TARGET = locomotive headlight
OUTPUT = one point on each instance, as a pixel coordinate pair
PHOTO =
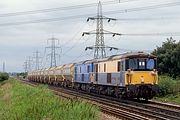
(129, 75)
(142, 79)
(154, 72)
(130, 72)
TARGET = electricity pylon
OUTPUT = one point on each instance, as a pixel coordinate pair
(37, 59)
(29, 62)
(99, 47)
(4, 69)
(25, 66)
(53, 53)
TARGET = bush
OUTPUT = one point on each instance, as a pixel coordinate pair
(4, 76)
(22, 74)
(168, 85)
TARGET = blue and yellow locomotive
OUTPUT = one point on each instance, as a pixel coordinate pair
(131, 75)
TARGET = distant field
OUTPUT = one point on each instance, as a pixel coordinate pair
(22, 102)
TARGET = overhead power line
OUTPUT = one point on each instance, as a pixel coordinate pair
(171, 4)
(147, 19)
(42, 20)
(90, 5)
(85, 15)
(62, 8)
(151, 34)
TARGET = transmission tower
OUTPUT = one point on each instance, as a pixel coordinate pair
(53, 53)
(4, 67)
(29, 64)
(25, 66)
(37, 59)
(99, 47)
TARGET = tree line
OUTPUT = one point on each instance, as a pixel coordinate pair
(168, 56)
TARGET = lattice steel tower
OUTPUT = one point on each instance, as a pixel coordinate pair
(53, 53)
(25, 66)
(99, 47)
(4, 70)
(29, 64)
(37, 58)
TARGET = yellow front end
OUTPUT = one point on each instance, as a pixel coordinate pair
(141, 77)
(141, 84)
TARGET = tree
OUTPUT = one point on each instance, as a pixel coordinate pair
(168, 56)
(4, 76)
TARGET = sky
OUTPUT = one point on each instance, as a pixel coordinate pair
(18, 42)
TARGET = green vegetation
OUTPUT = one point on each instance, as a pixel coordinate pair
(168, 85)
(19, 101)
(4, 76)
(22, 74)
(175, 99)
(169, 89)
(169, 58)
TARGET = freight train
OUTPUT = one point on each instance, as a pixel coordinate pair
(129, 75)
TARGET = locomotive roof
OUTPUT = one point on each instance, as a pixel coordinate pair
(121, 56)
(138, 54)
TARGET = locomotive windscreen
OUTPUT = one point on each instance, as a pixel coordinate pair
(141, 64)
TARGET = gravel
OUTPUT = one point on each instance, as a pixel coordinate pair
(108, 117)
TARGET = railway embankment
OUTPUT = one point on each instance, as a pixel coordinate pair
(19, 101)
(123, 109)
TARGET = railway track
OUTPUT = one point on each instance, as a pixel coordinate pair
(165, 105)
(123, 109)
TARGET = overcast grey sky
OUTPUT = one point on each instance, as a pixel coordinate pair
(17, 42)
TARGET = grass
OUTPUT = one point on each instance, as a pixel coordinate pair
(19, 101)
(169, 89)
(175, 99)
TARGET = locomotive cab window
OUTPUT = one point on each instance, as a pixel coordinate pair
(141, 64)
(151, 64)
(118, 66)
(133, 63)
(104, 67)
(88, 69)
